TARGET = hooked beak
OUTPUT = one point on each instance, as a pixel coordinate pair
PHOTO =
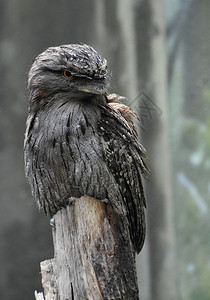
(98, 87)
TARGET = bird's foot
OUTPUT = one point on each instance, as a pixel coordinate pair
(52, 222)
(71, 200)
(105, 201)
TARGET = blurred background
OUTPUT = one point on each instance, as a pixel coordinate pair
(158, 53)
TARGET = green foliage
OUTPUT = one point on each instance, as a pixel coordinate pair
(192, 203)
(191, 159)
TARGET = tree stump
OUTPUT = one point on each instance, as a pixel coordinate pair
(93, 255)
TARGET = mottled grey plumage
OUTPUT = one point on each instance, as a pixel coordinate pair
(79, 140)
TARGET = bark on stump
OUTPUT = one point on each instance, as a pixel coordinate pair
(93, 255)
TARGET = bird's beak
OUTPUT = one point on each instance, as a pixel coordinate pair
(94, 87)
(92, 90)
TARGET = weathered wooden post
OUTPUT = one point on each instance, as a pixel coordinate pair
(93, 255)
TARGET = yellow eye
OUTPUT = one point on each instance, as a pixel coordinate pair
(67, 74)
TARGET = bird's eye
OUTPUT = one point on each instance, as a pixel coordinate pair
(67, 74)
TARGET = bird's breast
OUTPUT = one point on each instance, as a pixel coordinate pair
(70, 151)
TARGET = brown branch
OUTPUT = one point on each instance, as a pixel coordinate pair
(94, 257)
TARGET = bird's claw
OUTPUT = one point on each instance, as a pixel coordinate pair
(71, 200)
(105, 201)
(52, 222)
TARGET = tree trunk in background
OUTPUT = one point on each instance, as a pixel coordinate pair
(153, 80)
(128, 81)
(133, 36)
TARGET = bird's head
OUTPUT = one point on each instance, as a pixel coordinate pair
(76, 71)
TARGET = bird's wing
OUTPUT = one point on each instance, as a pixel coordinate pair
(125, 159)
